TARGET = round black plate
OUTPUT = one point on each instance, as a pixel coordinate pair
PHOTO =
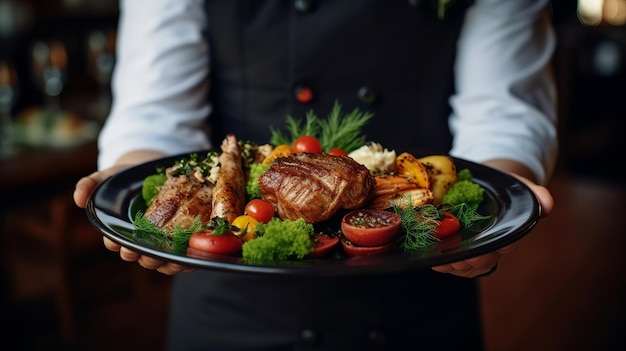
(513, 208)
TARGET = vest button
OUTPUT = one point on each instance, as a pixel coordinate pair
(303, 5)
(303, 94)
(367, 95)
(308, 336)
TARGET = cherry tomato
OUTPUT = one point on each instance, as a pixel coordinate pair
(337, 152)
(307, 143)
(260, 210)
(370, 227)
(246, 224)
(323, 244)
(357, 251)
(449, 225)
(207, 242)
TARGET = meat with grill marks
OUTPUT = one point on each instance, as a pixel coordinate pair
(315, 186)
(180, 200)
(229, 194)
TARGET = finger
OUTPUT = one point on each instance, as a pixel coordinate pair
(171, 268)
(150, 262)
(111, 245)
(507, 249)
(129, 255)
(84, 187)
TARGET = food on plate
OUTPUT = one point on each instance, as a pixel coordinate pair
(352, 250)
(370, 227)
(393, 189)
(229, 194)
(315, 186)
(307, 143)
(280, 240)
(186, 194)
(314, 193)
(465, 191)
(260, 210)
(377, 159)
(442, 174)
(323, 245)
(218, 239)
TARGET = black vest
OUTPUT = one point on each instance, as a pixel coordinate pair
(261, 51)
(390, 57)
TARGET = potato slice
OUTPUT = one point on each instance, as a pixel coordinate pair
(414, 170)
(442, 172)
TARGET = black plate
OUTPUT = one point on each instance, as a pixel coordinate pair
(513, 208)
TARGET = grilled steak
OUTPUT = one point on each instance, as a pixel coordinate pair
(315, 186)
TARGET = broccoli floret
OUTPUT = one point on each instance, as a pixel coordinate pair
(252, 186)
(280, 240)
(464, 174)
(465, 190)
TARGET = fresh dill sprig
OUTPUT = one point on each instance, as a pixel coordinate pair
(416, 225)
(176, 241)
(294, 129)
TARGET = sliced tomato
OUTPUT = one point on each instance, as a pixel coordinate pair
(448, 225)
(220, 244)
(260, 210)
(323, 244)
(307, 143)
(357, 251)
(337, 152)
(370, 227)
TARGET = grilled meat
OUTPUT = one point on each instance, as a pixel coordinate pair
(315, 186)
(229, 194)
(179, 201)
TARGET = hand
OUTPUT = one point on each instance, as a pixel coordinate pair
(486, 263)
(84, 187)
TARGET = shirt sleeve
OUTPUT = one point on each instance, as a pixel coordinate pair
(159, 85)
(505, 103)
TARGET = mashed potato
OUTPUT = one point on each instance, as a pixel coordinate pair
(375, 158)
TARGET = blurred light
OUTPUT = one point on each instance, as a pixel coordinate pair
(590, 11)
(594, 12)
(615, 12)
(607, 59)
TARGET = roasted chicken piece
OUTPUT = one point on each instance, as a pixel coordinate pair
(315, 186)
(180, 200)
(229, 194)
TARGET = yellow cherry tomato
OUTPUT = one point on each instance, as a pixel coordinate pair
(246, 225)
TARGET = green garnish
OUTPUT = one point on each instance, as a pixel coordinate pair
(416, 225)
(338, 130)
(280, 240)
(150, 186)
(176, 241)
(200, 168)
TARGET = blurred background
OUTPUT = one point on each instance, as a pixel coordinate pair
(563, 289)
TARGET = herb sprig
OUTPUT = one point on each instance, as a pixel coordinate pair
(338, 130)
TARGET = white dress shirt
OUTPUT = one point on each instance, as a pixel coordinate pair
(504, 106)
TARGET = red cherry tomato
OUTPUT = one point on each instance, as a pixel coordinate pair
(357, 251)
(307, 143)
(370, 227)
(260, 210)
(323, 244)
(449, 225)
(337, 152)
(207, 242)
